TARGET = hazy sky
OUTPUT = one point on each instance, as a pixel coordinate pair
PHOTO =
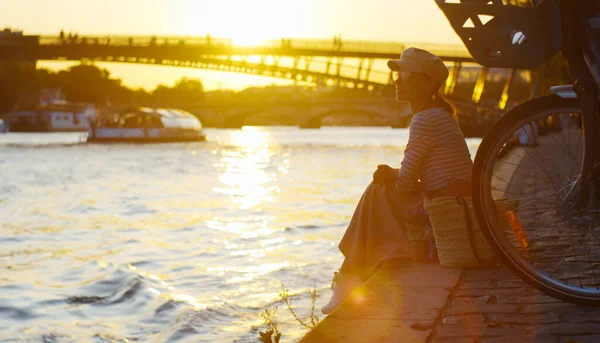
(245, 21)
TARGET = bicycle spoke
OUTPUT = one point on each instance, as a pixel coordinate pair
(530, 173)
(532, 198)
(517, 165)
(560, 261)
(598, 239)
(544, 168)
(520, 207)
(505, 191)
(589, 256)
(501, 179)
(568, 150)
(573, 245)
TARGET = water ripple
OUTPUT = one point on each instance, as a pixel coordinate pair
(175, 242)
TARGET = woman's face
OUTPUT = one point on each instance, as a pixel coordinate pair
(412, 87)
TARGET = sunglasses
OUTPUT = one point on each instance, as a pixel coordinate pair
(401, 75)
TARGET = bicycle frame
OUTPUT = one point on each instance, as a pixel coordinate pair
(583, 57)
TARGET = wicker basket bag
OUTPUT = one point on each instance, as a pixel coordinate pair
(459, 240)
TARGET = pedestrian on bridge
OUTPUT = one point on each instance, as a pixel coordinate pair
(337, 42)
(436, 163)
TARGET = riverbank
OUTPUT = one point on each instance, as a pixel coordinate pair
(410, 302)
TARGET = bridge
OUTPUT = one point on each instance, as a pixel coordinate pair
(349, 64)
(313, 113)
(305, 114)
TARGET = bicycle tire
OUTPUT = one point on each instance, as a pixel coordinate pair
(483, 172)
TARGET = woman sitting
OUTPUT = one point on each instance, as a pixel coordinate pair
(436, 163)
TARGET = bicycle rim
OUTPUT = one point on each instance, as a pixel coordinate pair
(525, 169)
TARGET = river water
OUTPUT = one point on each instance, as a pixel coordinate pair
(176, 242)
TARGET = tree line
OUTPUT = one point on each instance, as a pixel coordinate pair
(19, 87)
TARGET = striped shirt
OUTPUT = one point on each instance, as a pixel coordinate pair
(436, 153)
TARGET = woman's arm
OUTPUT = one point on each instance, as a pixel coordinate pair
(420, 143)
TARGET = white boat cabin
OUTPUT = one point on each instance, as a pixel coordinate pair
(145, 124)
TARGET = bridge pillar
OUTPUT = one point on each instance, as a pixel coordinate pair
(18, 84)
(340, 60)
(452, 78)
(360, 66)
(307, 116)
(222, 118)
(506, 90)
(479, 85)
(207, 116)
(369, 67)
(17, 70)
(310, 123)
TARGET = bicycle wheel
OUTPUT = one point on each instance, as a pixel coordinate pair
(526, 167)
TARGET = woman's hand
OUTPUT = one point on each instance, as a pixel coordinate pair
(385, 174)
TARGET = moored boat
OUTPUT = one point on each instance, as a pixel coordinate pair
(146, 125)
(56, 117)
(3, 127)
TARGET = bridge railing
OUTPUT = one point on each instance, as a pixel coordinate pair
(340, 45)
(284, 43)
(371, 46)
(136, 40)
(449, 50)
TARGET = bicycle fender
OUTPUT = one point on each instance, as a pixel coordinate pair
(564, 91)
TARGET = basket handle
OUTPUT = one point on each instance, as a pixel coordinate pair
(461, 201)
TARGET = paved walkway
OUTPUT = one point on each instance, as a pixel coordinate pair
(411, 302)
(493, 305)
(400, 303)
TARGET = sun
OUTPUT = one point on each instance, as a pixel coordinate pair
(247, 23)
(252, 31)
(247, 39)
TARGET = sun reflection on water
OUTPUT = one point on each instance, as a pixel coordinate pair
(247, 172)
(245, 167)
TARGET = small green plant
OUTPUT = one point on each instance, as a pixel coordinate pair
(272, 335)
(313, 320)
